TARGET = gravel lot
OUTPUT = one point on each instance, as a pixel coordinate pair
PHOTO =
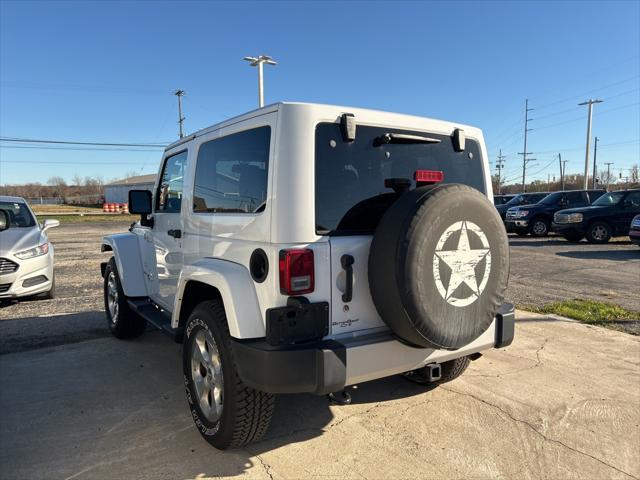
(562, 402)
(552, 269)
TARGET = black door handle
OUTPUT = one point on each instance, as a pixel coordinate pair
(175, 233)
(347, 265)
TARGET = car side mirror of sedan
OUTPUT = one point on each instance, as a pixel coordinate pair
(50, 223)
(627, 204)
(4, 220)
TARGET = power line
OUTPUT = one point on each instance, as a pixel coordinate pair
(113, 149)
(69, 142)
(587, 92)
(64, 162)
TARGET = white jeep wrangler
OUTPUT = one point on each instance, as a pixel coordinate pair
(305, 248)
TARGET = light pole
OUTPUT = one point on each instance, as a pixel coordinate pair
(180, 93)
(258, 62)
(589, 102)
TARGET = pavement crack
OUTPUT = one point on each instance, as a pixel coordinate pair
(538, 432)
(265, 466)
(344, 419)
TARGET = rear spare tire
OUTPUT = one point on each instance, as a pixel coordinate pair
(439, 265)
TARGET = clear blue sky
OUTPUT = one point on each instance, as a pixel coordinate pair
(104, 72)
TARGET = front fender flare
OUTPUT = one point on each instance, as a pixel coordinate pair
(236, 288)
(126, 252)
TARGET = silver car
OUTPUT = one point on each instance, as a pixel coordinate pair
(26, 255)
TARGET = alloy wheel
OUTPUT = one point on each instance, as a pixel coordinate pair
(112, 297)
(206, 372)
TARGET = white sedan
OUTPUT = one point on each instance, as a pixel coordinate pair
(26, 255)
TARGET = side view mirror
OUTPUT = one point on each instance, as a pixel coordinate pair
(50, 223)
(140, 202)
(627, 204)
(4, 220)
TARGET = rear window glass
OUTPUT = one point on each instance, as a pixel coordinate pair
(19, 214)
(350, 193)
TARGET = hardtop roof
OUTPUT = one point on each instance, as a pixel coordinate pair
(274, 107)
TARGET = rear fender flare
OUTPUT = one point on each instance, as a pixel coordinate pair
(127, 255)
(236, 288)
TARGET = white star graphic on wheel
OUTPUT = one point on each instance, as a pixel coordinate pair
(462, 262)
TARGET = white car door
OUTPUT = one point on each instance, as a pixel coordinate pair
(167, 227)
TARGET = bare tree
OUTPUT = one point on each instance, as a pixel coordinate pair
(56, 182)
(77, 180)
(634, 175)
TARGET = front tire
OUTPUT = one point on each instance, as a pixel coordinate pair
(539, 227)
(598, 233)
(227, 413)
(123, 322)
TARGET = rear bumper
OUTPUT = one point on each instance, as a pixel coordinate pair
(330, 365)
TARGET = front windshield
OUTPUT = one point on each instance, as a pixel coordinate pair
(517, 200)
(19, 214)
(551, 199)
(612, 198)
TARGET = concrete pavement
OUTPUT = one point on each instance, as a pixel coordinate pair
(562, 402)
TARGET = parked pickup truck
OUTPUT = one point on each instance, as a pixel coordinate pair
(634, 230)
(536, 219)
(609, 216)
(305, 248)
(520, 199)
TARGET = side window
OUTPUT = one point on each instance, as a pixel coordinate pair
(169, 198)
(594, 195)
(634, 198)
(575, 198)
(231, 173)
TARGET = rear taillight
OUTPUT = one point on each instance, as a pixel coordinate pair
(296, 271)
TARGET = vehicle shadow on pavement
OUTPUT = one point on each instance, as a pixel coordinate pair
(536, 242)
(31, 333)
(106, 408)
(615, 255)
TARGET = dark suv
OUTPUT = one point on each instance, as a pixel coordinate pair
(610, 215)
(520, 199)
(536, 219)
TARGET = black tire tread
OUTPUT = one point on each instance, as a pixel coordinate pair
(254, 409)
(590, 239)
(129, 324)
(453, 369)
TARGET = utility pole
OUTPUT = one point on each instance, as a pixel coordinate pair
(500, 166)
(595, 156)
(258, 62)
(608, 164)
(589, 102)
(524, 153)
(562, 169)
(180, 94)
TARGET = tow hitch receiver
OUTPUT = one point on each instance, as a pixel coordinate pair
(425, 375)
(433, 372)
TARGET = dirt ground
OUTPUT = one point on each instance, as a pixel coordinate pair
(562, 402)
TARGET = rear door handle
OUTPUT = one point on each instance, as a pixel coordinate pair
(347, 265)
(177, 233)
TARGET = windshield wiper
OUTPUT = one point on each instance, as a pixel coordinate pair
(401, 138)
